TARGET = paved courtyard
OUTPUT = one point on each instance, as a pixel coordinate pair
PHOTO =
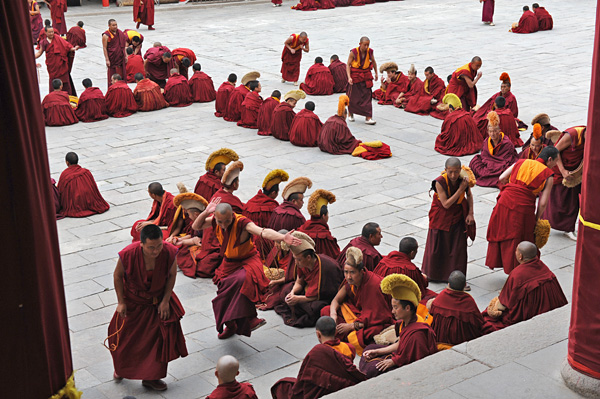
(549, 71)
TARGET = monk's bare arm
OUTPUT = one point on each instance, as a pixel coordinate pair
(104, 48)
(265, 233)
(203, 221)
(288, 43)
(544, 197)
(39, 53)
(471, 83)
(36, 10)
(563, 144)
(118, 276)
(163, 307)
(374, 66)
(448, 202)
(505, 176)
(349, 65)
(470, 217)
(337, 301)
(374, 353)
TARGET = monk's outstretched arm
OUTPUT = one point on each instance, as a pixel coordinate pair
(272, 235)
(544, 198)
(448, 202)
(163, 307)
(118, 276)
(337, 301)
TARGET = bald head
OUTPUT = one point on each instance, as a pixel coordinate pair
(457, 281)
(408, 245)
(326, 326)
(452, 163)
(174, 71)
(303, 34)
(227, 369)
(527, 250)
(223, 209)
(364, 39)
(476, 59)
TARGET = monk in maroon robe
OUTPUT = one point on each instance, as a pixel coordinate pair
(35, 17)
(57, 108)
(114, 42)
(92, 105)
(251, 106)
(318, 81)
(336, 138)
(278, 258)
(59, 59)
(236, 98)
(316, 227)
(79, 195)
(370, 238)
(76, 35)
(531, 289)
(544, 18)
(283, 115)
(487, 12)
(148, 96)
(490, 104)
(210, 182)
(265, 113)
(544, 121)
(135, 65)
(202, 86)
(162, 213)
(58, 8)
(292, 55)
(415, 86)
(223, 94)
(145, 332)
(182, 59)
(306, 5)
(287, 216)
(459, 135)
(463, 83)
(306, 127)
(229, 388)
(432, 93)
(395, 84)
(508, 125)
(135, 41)
(56, 195)
(338, 73)
(177, 90)
(156, 64)
(143, 13)
(528, 23)
(119, 98)
(360, 80)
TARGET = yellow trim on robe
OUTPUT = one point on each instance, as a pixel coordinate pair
(528, 174)
(591, 225)
(356, 62)
(490, 146)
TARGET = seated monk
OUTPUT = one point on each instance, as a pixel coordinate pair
(544, 18)
(306, 127)
(327, 368)
(284, 114)
(230, 182)
(415, 86)
(251, 106)
(162, 212)
(359, 308)
(531, 289)
(369, 238)
(287, 216)
(57, 108)
(508, 125)
(318, 81)
(535, 144)
(306, 5)
(338, 73)
(119, 98)
(431, 93)
(92, 105)
(135, 65)
(76, 35)
(222, 97)
(237, 96)
(316, 228)
(177, 90)
(227, 369)
(459, 135)
(336, 138)
(240, 278)
(528, 23)
(391, 86)
(280, 257)
(202, 86)
(544, 121)
(497, 154)
(148, 94)
(416, 340)
(79, 195)
(265, 113)
(510, 102)
(210, 182)
(463, 83)
(317, 280)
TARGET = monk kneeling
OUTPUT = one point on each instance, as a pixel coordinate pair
(228, 368)
(57, 108)
(148, 94)
(162, 212)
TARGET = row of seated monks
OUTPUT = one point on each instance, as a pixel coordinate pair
(533, 21)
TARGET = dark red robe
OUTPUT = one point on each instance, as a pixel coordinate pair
(371, 256)
(458, 86)
(399, 263)
(306, 5)
(359, 92)
(459, 135)
(490, 105)
(488, 167)
(281, 121)
(508, 126)
(115, 47)
(339, 75)
(79, 194)
(305, 130)
(177, 91)
(234, 104)
(326, 4)
(57, 14)
(91, 106)
(207, 185)
(178, 55)
(249, 111)
(318, 81)
(259, 209)
(76, 36)
(59, 60)
(325, 243)
(233, 390)
(544, 18)
(290, 63)
(143, 13)
(58, 110)
(421, 102)
(119, 100)
(388, 96)
(277, 259)
(414, 88)
(156, 69)
(528, 23)
(162, 213)
(527, 153)
(148, 96)
(336, 138)
(131, 33)
(222, 98)
(37, 23)
(265, 116)
(286, 216)
(202, 87)
(135, 64)
(231, 199)
(188, 255)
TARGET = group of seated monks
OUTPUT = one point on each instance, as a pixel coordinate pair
(533, 21)
(313, 5)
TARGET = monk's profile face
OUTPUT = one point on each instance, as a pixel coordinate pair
(494, 132)
(399, 312)
(224, 219)
(536, 145)
(113, 26)
(364, 45)
(292, 102)
(504, 88)
(299, 202)
(192, 214)
(476, 65)
(375, 239)
(453, 173)
(152, 248)
(303, 262)
(166, 60)
(353, 275)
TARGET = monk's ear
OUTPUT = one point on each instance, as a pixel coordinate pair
(238, 373)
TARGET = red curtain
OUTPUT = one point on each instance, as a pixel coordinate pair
(34, 334)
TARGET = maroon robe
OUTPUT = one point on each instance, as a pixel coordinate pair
(371, 256)
(177, 91)
(281, 121)
(76, 36)
(527, 153)
(231, 199)
(115, 47)
(156, 69)
(336, 138)
(414, 88)
(143, 13)
(359, 92)
(531, 289)
(37, 23)
(326, 4)
(388, 96)
(339, 75)
(528, 23)
(399, 263)
(488, 167)
(487, 12)
(163, 214)
(148, 96)
(222, 98)
(79, 195)
(59, 60)
(276, 259)
(508, 126)
(202, 87)
(135, 64)
(544, 18)
(137, 50)
(233, 390)
(178, 55)
(259, 209)
(290, 63)
(234, 104)
(119, 100)
(490, 105)
(421, 102)
(58, 110)
(265, 116)
(249, 111)
(91, 106)
(305, 130)
(57, 14)
(188, 255)
(458, 86)
(207, 185)
(318, 81)
(325, 243)
(306, 5)
(459, 135)
(286, 216)
(145, 342)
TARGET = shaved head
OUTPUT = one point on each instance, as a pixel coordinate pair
(528, 250)
(174, 71)
(227, 368)
(452, 163)
(364, 39)
(457, 280)
(303, 34)
(476, 59)
(223, 209)
(408, 245)
(326, 326)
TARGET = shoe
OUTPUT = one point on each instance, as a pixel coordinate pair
(351, 118)
(295, 83)
(492, 24)
(467, 288)
(370, 122)
(570, 235)
(157, 385)
(137, 26)
(228, 332)
(116, 376)
(151, 28)
(257, 323)
(282, 80)
(275, 5)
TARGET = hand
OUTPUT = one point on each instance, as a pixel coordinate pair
(272, 283)
(565, 173)
(479, 75)
(210, 209)
(171, 240)
(398, 99)
(349, 81)
(107, 63)
(141, 225)
(385, 365)
(383, 79)
(289, 239)
(293, 300)
(470, 219)
(371, 354)
(292, 51)
(122, 310)
(196, 240)
(376, 75)
(344, 328)
(38, 65)
(163, 310)
(464, 184)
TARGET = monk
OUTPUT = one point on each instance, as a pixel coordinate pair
(229, 388)
(35, 17)
(114, 42)
(177, 90)
(42, 35)
(162, 212)
(459, 135)
(531, 289)
(497, 154)
(134, 40)
(265, 113)
(148, 95)
(535, 144)
(338, 73)
(210, 182)
(316, 227)
(306, 127)
(336, 138)
(57, 108)
(145, 332)
(528, 23)
(515, 215)
(490, 104)
(183, 58)
(360, 80)
(56, 195)
(508, 125)
(563, 205)
(280, 257)
(433, 92)
(251, 105)
(359, 308)
(283, 114)
(415, 85)
(318, 81)
(544, 121)
(237, 96)
(135, 65)
(58, 8)
(317, 280)
(327, 368)
(287, 216)
(79, 195)
(143, 13)
(59, 59)
(240, 279)
(369, 238)
(544, 18)
(223, 95)
(156, 64)
(463, 83)
(391, 86)
(449, 217)
(76, 35)
(202, 86)
(119, 98)
(415, 340)
(487, 12)
(306, 5)
(92, 105)
(230, 182)
(292, 55)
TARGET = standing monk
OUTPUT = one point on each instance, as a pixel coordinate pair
(487, 14)
(463, 83)
(76, 35)
(143, 13)
(58, 8)
(59, 59)
(338, 72)
(79, 194)
(162, 212)
(156, 64)
(210, 182)
(114, 42)
(291, 57)
(182, 59)
(35, 17)
(134, 41)
(360, 80)
(544, 18)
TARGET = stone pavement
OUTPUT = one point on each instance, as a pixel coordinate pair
(550, 73)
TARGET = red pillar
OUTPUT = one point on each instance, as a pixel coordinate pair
(34, 334)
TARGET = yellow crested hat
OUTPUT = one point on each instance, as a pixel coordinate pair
(249, 77)
(343, 102)
(232, 172)
(295, 94)
(401, 288)
(274, 177)
(224, 155)
(190, 200)
(298, 185)
(452, 99)
(317, 200)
